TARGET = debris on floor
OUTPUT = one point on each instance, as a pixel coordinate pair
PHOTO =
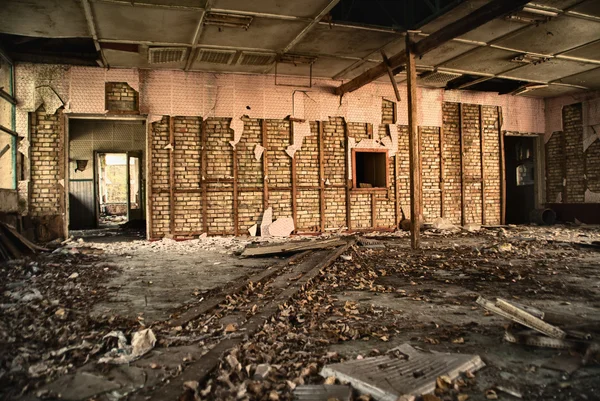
(404, 371)
(291, 247)
(323, 392)
(15, 246)
(141, 343)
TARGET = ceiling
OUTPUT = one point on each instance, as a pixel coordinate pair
(550, 48)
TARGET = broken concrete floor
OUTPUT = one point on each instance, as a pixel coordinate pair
(365, 306)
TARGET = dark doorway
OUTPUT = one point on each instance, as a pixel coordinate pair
(519, 156)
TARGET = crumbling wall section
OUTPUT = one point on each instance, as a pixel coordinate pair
(430, 169)
(592, 167)
(121, 97)
(46, 204)
(472, 179)
(555, 167)
(159, 178)
(575, 170)
(452, 166)
(491, 163)
(307, 182)
(335, 178)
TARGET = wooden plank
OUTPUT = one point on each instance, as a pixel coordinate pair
(293, 181)
(265, 164)
(502, 169)
(413, 145)
(390, 74)
(288, 247)
(482, 161)
(203, 183)
(171, 175)
(373, 210)
(149, 180)
(236, 223)
(479, 17)
(442, 166)
(321, 177)
(9, 131)
(397, 189)
(347, 173)
(463, 206)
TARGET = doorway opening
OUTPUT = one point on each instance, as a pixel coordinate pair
(119, 184)
(520, 161)
(106, 174)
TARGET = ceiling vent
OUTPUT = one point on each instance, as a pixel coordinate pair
(250, 58)
(228, 20)
(163, 55)
(214, 56)
(436, 79)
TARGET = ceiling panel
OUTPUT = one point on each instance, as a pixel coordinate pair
(590, 51)
(445, 52)
(492, 30)
(590, 8)
(142, 23)
(343, 41)
(118, 58)
(458, 12)
(553, 91)
(264, 33)
(549, 70)
(327, 67)
(47, 18)
(296, 8)
(589, 79)
(558, 35)
(486, 60)
(359, 70)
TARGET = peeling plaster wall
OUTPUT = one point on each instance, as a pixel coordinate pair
(232, 106)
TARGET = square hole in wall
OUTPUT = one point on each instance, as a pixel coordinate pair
(370, 168)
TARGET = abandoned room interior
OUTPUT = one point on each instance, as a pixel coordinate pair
(313, 200)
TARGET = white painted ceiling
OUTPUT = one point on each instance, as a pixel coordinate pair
(569, 39)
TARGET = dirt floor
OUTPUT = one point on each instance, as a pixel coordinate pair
(56, 311)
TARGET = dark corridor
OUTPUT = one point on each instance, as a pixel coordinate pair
(520, 181)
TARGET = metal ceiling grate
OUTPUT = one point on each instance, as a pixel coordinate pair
(216, 56)
(249, 58)
(162, 55)
(436, 79)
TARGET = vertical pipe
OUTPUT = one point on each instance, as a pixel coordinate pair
(415, 158)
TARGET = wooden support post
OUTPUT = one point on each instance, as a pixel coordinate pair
(374, 210)
(415, 157)
(203, 183)
(482, 162)
(397, 209)
(442, 182)
(293, 182)
(236, 223)
(463, 206)
(502, 169)
(347, 173)
(171, 175)
(265, 164)
(386, 61)
(321, 177)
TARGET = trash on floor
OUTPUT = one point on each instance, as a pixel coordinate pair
(404, 371)
(141, 343)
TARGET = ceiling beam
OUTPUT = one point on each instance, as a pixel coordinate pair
(192, 53)
(314, 22)
(89, 18)
(479, 17)
(391, 74)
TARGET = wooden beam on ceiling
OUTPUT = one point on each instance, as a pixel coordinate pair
(479, 17)
(391, 74)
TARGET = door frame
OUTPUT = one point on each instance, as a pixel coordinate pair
(66, 145)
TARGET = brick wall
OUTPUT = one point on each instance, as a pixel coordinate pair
(573, 134)
(451, 154)
(570, 171)
(119, 96)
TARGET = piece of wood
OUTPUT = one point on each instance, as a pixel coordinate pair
(236, 223)
(12, 232)
(442, 166)
(463, 206)
(502, 169)
(8, 131)
(289, 247)
(369, 128)
(321, 177)
(4, 150)
(203, 183)
(171, 175)
(390, 74)
(488, 12)
(413, 146)
(373, 210)
(346, 174)
(265, 164)
(482, 163)
(293, 181)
